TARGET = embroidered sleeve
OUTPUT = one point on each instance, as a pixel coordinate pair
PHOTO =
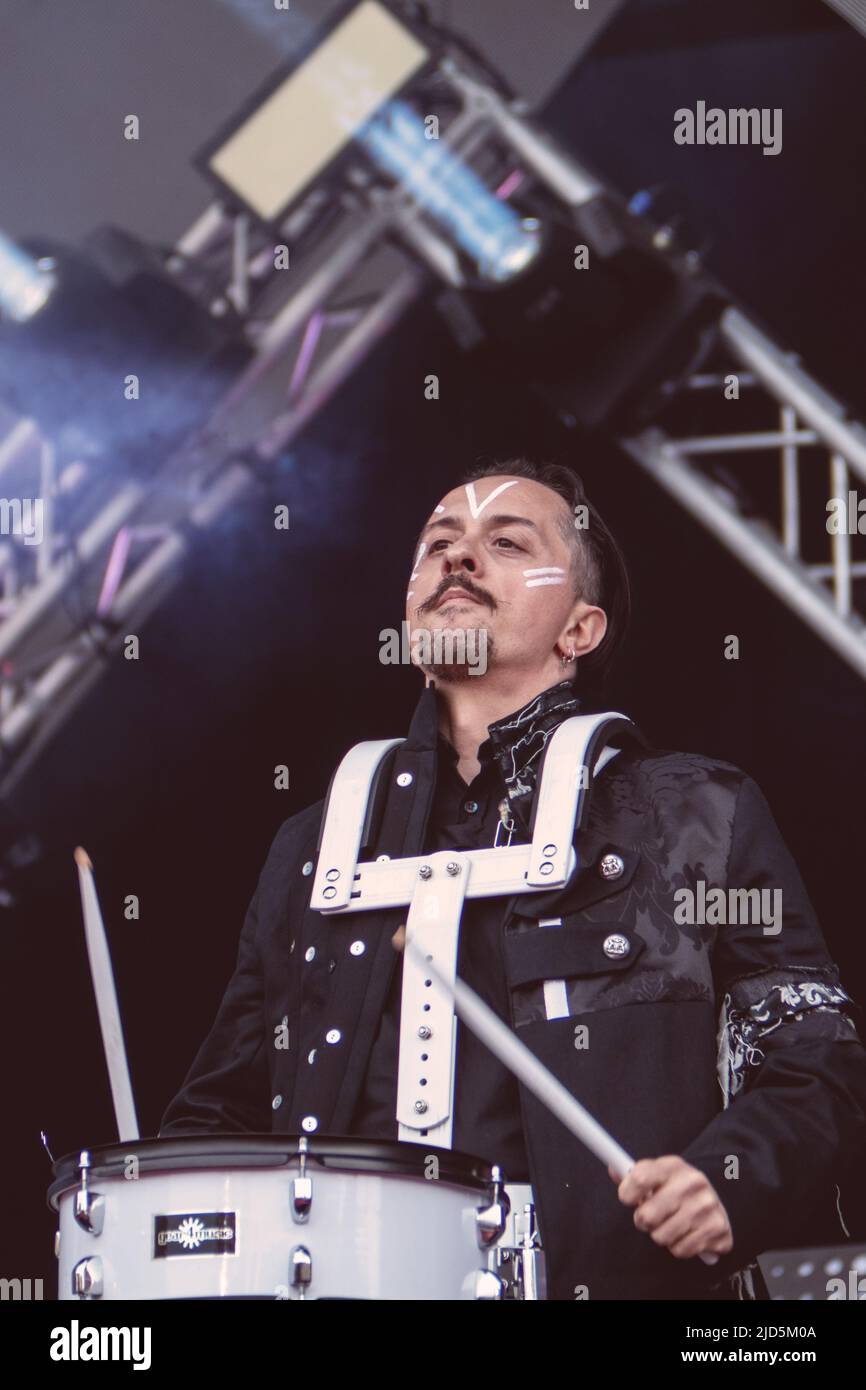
(761, 1005)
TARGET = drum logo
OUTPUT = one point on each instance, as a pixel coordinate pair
(194, 1233)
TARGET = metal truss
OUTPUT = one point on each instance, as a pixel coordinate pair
(361, 254)
(852, 10)
(807, 435)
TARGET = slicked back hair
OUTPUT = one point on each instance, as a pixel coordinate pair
(598, 567)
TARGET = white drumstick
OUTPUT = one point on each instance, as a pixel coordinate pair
(106, 1002)
(515, 1055)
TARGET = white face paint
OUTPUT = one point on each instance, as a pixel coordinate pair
(547, 574)
(418, 558)
(476, 507)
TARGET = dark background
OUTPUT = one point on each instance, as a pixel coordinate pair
(267, 652)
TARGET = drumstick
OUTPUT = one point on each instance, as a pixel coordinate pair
(106, 1002)
(515, 1055)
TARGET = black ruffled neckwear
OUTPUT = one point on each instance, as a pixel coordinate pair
(518, 742)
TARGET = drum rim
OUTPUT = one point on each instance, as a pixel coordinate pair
(187, 1152)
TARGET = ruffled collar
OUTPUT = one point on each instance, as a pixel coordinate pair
(518, 742)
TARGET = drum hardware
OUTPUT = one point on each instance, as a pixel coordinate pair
(488, 1286)
(302, 1187)
(300, 1269)
(89, 1206)
(87, 1280)
(490, 1221)
(379, 1229)
(521, 1265)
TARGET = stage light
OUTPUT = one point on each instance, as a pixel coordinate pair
(491, 232)
(26, 284)
(304, 122)
(345, 100)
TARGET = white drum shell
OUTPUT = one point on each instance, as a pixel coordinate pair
(369, 1235)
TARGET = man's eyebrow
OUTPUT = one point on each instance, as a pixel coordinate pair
(441, 521)
(500, 519)
(503, 519)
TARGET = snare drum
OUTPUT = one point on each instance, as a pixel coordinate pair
(285, 1217)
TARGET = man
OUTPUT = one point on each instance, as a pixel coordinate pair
(684, 903)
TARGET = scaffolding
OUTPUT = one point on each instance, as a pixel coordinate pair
(109, 555)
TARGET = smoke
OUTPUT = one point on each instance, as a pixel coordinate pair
(285, 30)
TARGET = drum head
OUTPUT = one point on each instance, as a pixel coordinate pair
(339, 1152)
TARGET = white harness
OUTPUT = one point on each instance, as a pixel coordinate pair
(434, 887)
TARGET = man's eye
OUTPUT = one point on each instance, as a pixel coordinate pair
(510, 543)
(435, 546)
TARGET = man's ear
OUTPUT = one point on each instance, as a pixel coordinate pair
(586, 629)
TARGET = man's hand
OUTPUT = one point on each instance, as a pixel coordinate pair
(677, 1206)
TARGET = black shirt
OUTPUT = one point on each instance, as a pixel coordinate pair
(487, 1118)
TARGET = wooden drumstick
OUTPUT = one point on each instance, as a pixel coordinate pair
(515, 1055)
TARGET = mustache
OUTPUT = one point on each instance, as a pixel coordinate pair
(452, 583)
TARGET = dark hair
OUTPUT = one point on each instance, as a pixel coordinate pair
(598, 565)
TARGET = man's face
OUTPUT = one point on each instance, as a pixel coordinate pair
(492, 556)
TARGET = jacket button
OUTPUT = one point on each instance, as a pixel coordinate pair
(611, 866)
(333, 1035)
(276, 1102)
(332, 965)
(311, 1056)
(616, 946)
(307, 869)
(404, 779)
(309, 953)
(357, 948)
(470, 807)
(309, 1123)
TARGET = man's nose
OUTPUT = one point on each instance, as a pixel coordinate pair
(459, 557)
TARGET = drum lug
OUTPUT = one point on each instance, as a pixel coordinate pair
(531, 1268)
(89, 1210)
(488, 1285)
(522, 1265)
(523, 1272)
(302, 1199)
(302, 1187)
(87, 1279)
(300, 1269)
(532, 1273)
(490, 1221)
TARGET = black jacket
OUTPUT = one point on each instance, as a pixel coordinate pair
(771, 1106)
